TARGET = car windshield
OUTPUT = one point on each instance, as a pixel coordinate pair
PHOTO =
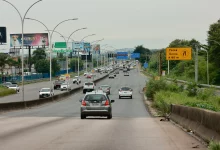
(45, 90)
(13, 85)
(104, 87)
(125, 89)
(95, 97)
(88, 83)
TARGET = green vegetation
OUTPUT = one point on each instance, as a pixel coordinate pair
(185, 70)
(5, 91)
(214, 146)
(164, 94)
(144, 53)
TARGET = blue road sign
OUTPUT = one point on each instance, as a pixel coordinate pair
(145, 65)
(135, 55)
(122, 55)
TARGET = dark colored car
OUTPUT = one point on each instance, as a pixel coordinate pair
(57, 84)
(96, 103)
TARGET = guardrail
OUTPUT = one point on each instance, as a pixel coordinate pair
(30, 103)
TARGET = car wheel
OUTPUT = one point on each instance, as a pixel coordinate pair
(119, 97)
(109, 116)
(84, 91)
(131, 97)
(83, 116)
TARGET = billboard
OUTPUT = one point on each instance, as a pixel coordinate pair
(78, 46)
(135, 55)
(96, 48)
(87, 47)
(3, 35)
(60, 45)
(122, 55)
(32, 39)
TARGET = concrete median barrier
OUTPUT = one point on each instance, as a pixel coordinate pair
(31, 103)
(204, 123)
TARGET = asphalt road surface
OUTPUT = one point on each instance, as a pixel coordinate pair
(57, 126)
(31, 91)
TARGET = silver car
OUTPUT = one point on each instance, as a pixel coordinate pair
(96, 103)
(105, 88)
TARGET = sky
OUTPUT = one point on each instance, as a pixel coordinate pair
(122, 23)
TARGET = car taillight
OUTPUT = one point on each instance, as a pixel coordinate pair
(106, 103)
(84, 103)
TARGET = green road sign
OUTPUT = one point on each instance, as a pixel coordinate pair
(62, 51)
(60, 45)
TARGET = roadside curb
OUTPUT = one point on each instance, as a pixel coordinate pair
(149, 105)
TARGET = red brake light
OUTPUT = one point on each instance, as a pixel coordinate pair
(106, 103)
(84, 103)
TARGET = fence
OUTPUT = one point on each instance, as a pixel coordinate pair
(18, 78)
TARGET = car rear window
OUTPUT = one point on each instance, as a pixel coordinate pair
(125, 89)
(88, 83)
(95, 97)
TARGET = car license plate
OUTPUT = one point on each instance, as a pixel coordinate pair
(95, 104)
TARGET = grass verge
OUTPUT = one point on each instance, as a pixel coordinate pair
(5, 91)
(214, 146)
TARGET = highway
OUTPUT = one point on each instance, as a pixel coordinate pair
(57, 126)
(31, 91)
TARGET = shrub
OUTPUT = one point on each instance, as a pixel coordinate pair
(192, 89)
(154, 86)
(205, 94)
(214, 146)
(203, 105)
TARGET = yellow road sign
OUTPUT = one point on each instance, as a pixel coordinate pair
(178, 53)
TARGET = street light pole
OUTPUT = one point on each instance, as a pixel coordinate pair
(22, 45)
(207, 65)
(86, 52)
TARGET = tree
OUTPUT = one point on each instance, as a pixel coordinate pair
(61, 57)
(74, 63)
(11, 62)
(42, 66)
(144, 53)
(3, 61)
(38, 54)
(55, 66)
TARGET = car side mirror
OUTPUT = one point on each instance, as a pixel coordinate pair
(112, 101)
(39, 91)
(80, 100)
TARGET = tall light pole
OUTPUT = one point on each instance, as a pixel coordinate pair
(22, 45)
(86, 52)
(68, 41)
(207, 64)
(95, 42)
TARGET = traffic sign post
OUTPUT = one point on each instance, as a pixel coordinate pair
(145, 65)
(178, 53)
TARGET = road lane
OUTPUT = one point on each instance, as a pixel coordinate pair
(32, 90)
(57, 126)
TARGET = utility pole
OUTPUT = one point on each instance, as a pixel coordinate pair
(160, 64)
(196, 64)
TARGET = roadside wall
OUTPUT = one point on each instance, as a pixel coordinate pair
(203, 123)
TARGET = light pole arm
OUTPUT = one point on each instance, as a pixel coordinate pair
(30, 8)
(14, 8)
(74, 32)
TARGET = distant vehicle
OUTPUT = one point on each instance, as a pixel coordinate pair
(45, 92)
(117, 71)
(114, 74)
(96, 103)
(7, 84)
(65, 86)
(85, 73)
(125, 70)
(106, 89)
(88, 86)
(125, 92)
(111, 76)
(14, 87)
(126, 74)
(57, 84)
(76, 79)
(89, 76)
(62, 77)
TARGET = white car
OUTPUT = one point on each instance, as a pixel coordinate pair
(85, 73)
(7, 84)
(45, 92)
(14, 87)
(76, 79)
(88, 86)
(65, 86)
(125, 92)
